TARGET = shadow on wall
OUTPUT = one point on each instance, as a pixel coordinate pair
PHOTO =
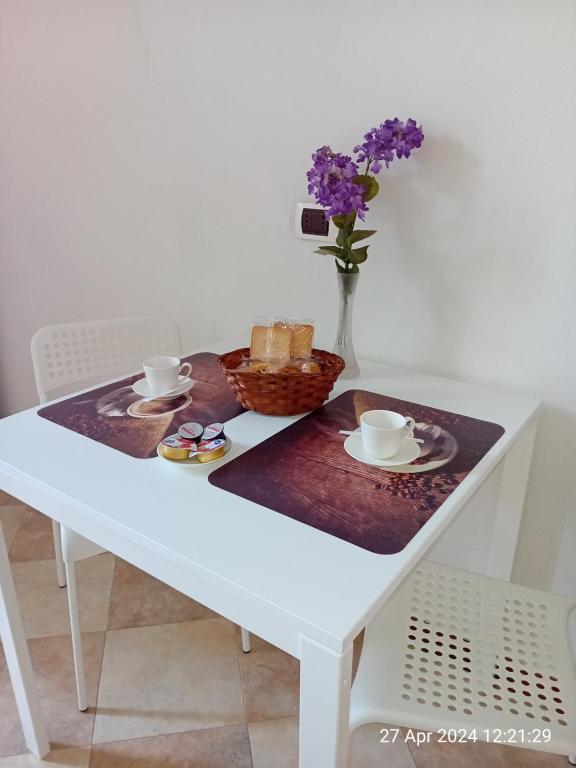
(454, 247)
(472, 267)
(3, 384)
(550, 497)
(426, 204)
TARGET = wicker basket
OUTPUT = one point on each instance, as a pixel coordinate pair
(282, 394)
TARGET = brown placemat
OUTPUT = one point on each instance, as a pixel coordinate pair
(304, 472)
(107, 415)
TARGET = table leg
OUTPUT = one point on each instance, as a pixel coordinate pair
(515, 474)
(18, 660)
(325, 680)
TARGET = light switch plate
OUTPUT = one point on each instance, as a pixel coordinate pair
(305, 220)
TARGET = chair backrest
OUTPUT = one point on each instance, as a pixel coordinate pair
(71, 356)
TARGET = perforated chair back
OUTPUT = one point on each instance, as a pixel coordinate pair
(72, 356)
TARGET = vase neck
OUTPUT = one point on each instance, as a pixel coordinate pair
(344, 345)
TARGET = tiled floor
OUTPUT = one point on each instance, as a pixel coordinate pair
(167, 681)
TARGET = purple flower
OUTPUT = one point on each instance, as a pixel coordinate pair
(331, 181)
(392, 138)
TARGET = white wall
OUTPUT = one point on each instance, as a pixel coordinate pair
(151, 152)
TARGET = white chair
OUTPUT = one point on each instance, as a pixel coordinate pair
(72, 356)
(453, 650)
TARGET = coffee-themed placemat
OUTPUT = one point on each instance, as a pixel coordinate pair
(118, 417)
(304, 472)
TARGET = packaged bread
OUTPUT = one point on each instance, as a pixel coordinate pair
(287, 367)
(310, 366)
(271, 342)
(277, 338)
(281, 345)
(302, 336)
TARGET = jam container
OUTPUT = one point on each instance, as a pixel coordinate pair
(209, 450)
(214, 432)
(176, 447)
(191, 431)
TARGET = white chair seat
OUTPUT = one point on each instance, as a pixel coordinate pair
(455, 650)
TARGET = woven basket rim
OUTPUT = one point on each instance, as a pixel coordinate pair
(254, 374)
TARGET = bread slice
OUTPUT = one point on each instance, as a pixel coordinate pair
(302, 336)
(270, 343)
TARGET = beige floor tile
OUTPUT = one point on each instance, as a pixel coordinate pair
(54, 671)
(270, 681)
(34, 540)
(357, 652)
(11, 736)
(367, 751)
(167, 679)
(529, 758)
(5, 498)
(274, 744)
(138, 600)
(11, 516)
(480, 755)
(54, 667)
(44, 605)
(226, 747)
(65, 758)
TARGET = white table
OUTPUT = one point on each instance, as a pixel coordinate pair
(302, 590)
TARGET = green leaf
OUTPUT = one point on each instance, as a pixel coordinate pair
(340, 267)
(359, 234)
(344, 221)
(370, 185)
(341, 239)
(330, 250)
(359, 255)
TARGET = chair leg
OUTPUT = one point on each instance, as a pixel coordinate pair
(246, 647)
(60, 571)
(76, 636)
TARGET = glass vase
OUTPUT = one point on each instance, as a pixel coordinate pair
(344, 345)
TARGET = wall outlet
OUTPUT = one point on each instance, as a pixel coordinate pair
(311, 223)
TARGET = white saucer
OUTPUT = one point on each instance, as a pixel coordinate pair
(193, 462)
(409, 450)
(184, 384)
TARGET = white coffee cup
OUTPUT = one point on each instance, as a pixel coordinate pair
(162, 373)
(383, 431)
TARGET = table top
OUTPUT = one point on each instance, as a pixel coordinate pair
(327, 584)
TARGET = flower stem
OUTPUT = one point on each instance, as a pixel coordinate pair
(348, 231)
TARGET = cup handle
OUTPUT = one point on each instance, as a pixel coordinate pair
(185, 367)
(409, 427)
